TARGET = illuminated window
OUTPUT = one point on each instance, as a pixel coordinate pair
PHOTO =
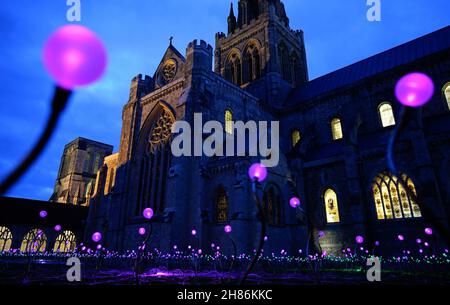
(272, 204)
(331, 206)
(386, 115)
(392, 200)
(5, 239)
(221, 206)
(295, 137)
(336, 129)
(65, 242)
(228, 121)
(155, 162)
(446, 91)
(34, 241)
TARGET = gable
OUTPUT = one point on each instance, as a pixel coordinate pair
(170, 68)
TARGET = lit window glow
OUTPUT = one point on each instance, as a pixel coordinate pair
(228, 122)
(5, 239)
(295, 137)
(336, 129)
(386, 115)
(34, 241)
(392, 200)
(65, 242)
(331, 206)
(447, 94)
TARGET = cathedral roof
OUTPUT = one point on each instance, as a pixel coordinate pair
(432, 43)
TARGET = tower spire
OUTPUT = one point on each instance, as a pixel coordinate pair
(231, 20)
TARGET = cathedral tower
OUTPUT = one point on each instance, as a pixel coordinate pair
(261, 52)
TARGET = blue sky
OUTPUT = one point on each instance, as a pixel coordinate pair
(136, 34)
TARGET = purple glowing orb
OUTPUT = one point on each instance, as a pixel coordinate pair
(429, 231)
(96, 237)
(359, 239)
(257, 172)
(228, 229)
(377, 243)
(148, 213)
(58, 228)
(401, 237)
(321, 234)
(141, 231)
(194, 232)
(43, 214)
(414, 89)
(294, 202)
(74, 56)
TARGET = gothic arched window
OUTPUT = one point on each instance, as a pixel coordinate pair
(295, 137)
(65, 242)
(228, 121)
(154, 164)
(285, 68)
(221, 205)
(5, 239)
(392, 200)
(34, 241)
(295, 66)
(233, 68)
(252, 63)
(386, 114)
(336, 129)
(272, 204)
(446, 91)
(331, 206)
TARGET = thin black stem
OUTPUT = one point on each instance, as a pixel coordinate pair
(140, 250)
(427, 213)
(234, 251)
(60, 99)
(263, 232)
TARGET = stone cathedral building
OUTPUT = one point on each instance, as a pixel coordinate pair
(333, 140)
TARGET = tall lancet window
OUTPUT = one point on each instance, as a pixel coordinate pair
(233, 68)
(386, 115)
(252, 63)
(155, 164)
(221, 205)
(331, 206)
(272, 205)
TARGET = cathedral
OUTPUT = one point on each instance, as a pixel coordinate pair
(333, 137)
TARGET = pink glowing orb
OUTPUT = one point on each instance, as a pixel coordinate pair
(142, 231)
(414, 89)
(99, 247)
(429, 231)
(401, 237)
(148, 213)
(359, 239)
(294, 202)
(228, 229)
(194, 232)
(377, 243)
(419, 241)
(58, 228)
(74, 56)
(266, 238)
(257, 172)
(96, 237)
(43, 214)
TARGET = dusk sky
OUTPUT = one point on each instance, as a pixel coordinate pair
(136, 34)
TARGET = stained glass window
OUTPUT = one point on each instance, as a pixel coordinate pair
(5, 239)
(331, 206)
(295, 137)
(336, 129)
(228, 121)
(386, 115)
(447, 94)
(221, 206)
(272, 204)
(65, 242)
(391, 199)
(34, 241)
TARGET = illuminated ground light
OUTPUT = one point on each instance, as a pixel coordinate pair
(74, 56)
(257, 172)
(96, 237)
(414, 89)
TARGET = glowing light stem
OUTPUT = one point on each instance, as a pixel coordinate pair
(140, 251)
(405, 114)
(60, 98)
(263, 232)
(234, 252)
